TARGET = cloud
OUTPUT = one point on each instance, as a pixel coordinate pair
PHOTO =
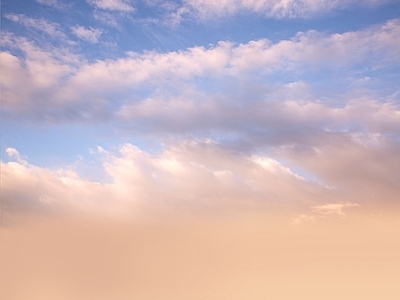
(364, 165)
(191, 175)
(90, 35)
(311, 49)
(54, 4)
(117, 80)
(41, 72)
(112, 5)
(345, 143)
(199, 175)
(207, 9)
(332, 208)
(323, 211)
(51, 28)
(13, 153)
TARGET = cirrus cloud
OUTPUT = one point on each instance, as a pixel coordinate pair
(51, 28)
(112, 5)
(205, 9)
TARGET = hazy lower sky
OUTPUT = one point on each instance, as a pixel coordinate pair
(157, 111)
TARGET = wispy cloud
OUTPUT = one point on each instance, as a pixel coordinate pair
(90, 35)
(333, 208)
(113, 5)
(54, 4)
(52, 29)
(323, 211)
(207, 9)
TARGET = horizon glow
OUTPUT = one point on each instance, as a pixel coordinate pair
(215, 115)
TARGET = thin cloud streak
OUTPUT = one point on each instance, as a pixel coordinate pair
(205, 9)
(112, 5)
(51, 28)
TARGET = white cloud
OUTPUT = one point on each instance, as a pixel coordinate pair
(90, 35)
(69, 80)
(349, 142)
(113, 5)
(323, 211)
(13, 153)
(193, 174)
(51, 28)
(54, 3)
(207, 9)
(106, 17)
(47, 2)
(310, 49)
(333, 208)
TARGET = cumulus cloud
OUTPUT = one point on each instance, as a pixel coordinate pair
(40, 73)
(112, 5)
(13, 153)
(90, 35)
(191, 175)
(198, 175)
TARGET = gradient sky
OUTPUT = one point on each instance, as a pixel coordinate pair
(200, 104)
(200, 149)
(118, 104)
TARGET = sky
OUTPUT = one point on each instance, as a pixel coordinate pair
(157, 112)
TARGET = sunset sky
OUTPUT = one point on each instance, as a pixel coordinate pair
(229, 112)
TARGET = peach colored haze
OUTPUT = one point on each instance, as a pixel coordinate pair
(200, 150)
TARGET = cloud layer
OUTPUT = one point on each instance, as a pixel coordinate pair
(229, 115)
(68, 83)
(204, 176)
(136, 154)
(311, 121)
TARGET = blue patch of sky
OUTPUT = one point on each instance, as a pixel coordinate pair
(310, 177)
(63, 144)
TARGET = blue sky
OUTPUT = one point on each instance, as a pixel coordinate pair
(183, 100)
